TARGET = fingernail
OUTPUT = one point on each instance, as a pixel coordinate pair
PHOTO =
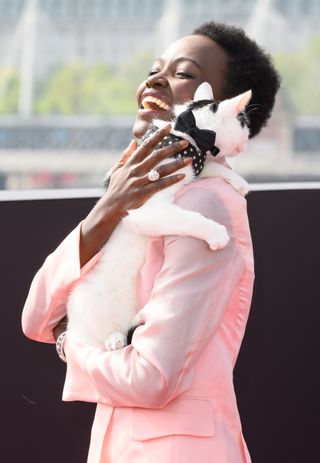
(183, 143)
(180, 176)
(167, 128)
(187, 160)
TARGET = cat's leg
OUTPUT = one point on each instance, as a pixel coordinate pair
(118, 340)
(138, 319)
(169, 219)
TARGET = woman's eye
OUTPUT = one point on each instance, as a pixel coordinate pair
(152, 72)
(185, 75)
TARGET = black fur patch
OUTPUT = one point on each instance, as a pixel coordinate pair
(243, 119)
(201, 103)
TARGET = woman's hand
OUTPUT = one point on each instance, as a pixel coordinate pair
(129, 185)
(129, 188)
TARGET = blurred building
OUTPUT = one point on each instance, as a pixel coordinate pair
(37, 36)
(112, 30)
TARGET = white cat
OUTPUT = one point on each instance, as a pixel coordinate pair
(103, 306)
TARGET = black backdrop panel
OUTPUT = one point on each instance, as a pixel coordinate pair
(277, 374)
(37, 426)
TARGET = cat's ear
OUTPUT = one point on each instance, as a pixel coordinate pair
(241, 101)
(203, 92)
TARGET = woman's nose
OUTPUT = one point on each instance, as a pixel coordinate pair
(156, 80)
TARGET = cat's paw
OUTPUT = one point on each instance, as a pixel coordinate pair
(115, 341)
(219, 239)
(138, 319)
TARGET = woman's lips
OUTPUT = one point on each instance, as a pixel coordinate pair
(149, 114)
(154, 106)
(154, 103)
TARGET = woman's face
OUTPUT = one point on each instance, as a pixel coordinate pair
(175, 76)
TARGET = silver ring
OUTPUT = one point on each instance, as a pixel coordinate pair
(153, 175)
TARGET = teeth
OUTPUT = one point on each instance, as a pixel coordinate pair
(157, 101)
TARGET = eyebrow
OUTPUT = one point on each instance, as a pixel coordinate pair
(181, 59)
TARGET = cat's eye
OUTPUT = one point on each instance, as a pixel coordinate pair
(214, 106)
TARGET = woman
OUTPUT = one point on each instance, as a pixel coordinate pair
(169, 396)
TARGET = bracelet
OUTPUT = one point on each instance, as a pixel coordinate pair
(60, 344)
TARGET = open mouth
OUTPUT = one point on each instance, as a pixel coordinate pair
(153, 103)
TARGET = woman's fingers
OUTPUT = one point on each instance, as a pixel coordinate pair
(126, 154)
(166, 169)
(152, 187)
(148, 145)
(173, 166)
(130, 181)
(160, 154)
(133, 145)
(145, 157)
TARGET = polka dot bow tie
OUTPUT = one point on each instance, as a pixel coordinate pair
(198, 157)
(204, 138)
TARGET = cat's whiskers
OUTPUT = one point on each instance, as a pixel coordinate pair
(251, 111)
(251, 105)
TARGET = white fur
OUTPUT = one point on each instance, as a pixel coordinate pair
(103, 306)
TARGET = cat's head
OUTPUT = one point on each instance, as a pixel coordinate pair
(227, 118)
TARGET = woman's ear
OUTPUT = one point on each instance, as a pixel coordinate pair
(203, 92)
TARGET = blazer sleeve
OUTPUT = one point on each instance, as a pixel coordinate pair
(45, 305)
(190, 296)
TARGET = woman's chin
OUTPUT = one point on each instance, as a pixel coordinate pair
(144, 119)
(140, 127)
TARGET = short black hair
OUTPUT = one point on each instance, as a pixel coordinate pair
(249, 67)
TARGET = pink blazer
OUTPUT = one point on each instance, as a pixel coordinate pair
(169, 396)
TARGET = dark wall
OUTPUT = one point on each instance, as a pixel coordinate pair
(277, 374)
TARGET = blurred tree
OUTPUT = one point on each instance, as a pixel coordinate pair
(136, 70)
(67, 90)
(301, 74)
(79, 89)
(9, 91)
